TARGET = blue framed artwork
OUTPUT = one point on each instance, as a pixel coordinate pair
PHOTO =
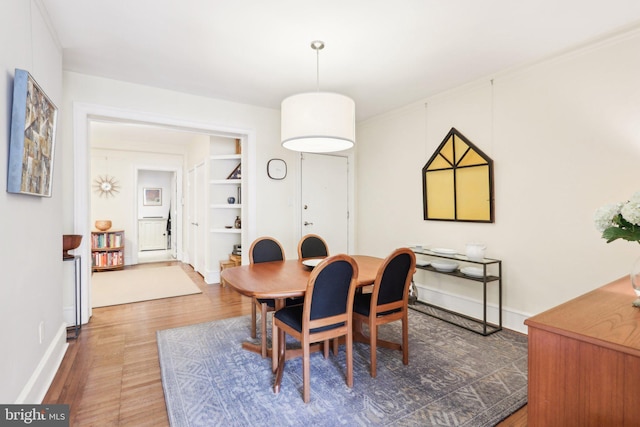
(33, 132)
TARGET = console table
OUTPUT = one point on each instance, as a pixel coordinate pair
(584, 360)
(486, 327)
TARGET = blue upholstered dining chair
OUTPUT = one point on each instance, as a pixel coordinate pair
(263, 249)
(326, 314)
(387, 302)
(312, 246)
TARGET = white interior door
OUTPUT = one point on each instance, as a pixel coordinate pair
(191, 218)
(173, 241)
(201, 238)
(325, 199)
(152, 234)
(196, 218)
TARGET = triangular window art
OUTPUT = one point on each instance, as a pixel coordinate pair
(457, 182)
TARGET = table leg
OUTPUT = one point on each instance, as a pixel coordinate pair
(280, 303)
(280, 351)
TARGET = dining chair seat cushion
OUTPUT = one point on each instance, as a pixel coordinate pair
(362, 305)
(292, 316)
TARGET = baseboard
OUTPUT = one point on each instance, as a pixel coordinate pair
(69, 315)
(212, 277)
(36, 388)
(511, 319)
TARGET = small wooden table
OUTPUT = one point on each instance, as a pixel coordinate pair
(285, 279)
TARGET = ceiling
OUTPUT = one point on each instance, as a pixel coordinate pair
(381, 53)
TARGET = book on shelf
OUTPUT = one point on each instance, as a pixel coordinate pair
(106, 240)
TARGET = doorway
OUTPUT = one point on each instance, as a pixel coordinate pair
(157, 233)
(84, 115)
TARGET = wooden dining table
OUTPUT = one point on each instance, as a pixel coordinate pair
(280, 280)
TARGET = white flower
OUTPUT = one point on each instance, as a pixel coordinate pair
(635, 198)
(604, 215)
(631, 210)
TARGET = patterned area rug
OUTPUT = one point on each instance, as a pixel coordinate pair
(454, 378)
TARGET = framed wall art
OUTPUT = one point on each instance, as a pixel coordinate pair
(457, 182)
(33, 132)
(152, 197)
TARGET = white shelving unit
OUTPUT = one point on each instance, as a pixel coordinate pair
(223, 234)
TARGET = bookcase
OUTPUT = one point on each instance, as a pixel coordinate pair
(107, 250)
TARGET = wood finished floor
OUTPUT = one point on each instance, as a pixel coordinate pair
(110, 375)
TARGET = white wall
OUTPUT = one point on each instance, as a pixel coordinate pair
(31, 227)
(565, 138)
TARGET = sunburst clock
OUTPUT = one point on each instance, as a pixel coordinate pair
(106, 186)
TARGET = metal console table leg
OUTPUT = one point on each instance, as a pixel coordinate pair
(74, 331)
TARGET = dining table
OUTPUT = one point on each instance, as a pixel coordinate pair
(280, 280)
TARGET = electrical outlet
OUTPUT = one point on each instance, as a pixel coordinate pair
(41, 331)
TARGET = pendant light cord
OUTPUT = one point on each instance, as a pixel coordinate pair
(317, 70)
(317, 45)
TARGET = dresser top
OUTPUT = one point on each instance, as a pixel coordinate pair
(603, 317)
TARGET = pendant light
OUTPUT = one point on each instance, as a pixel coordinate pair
(318, 122)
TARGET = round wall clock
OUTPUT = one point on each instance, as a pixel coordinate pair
(277, 169)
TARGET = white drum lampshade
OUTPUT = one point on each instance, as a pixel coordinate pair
(318, 122)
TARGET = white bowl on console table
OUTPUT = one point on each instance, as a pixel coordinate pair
(444, 265)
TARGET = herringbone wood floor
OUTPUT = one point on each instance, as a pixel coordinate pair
(110, 375)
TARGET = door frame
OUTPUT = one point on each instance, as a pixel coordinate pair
(351, 239)
(83, 113)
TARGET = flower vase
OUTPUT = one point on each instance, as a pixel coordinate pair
(635, 281)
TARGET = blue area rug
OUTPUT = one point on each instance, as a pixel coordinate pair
(454, 378)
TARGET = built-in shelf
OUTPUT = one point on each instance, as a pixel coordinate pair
(226, 206)
(226, 157)
(225, 161)
(226, 181)
(227, 230)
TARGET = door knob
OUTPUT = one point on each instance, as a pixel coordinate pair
(308, 223)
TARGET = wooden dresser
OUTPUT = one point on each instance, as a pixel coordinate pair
(584, 360)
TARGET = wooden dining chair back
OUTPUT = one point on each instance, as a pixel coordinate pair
(326, 314)
(263, 249)
(312, 246)
(388, 302)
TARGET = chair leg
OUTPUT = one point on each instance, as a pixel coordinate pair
(349, 351)
(306, 372)
(405, 338)
(336, 345)
(325, 348)
(373, 341)
(253, 318)
(263, 324)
